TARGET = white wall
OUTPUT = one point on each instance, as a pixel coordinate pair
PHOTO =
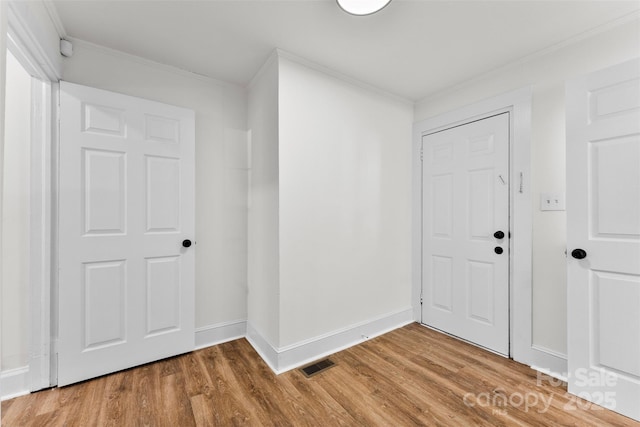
(264, 271)
(221, 166)
(547, 74)
(330, 212)
(345, 203)
(15, 217)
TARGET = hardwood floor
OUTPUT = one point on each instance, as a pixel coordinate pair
(411, 376)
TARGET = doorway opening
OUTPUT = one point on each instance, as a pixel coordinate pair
(27, 231)
(15, 219)
(518, 104)
(465, 231)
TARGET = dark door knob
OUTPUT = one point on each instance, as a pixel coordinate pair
(579, 253)
(498, 250)
(186, 243)
(498, 234)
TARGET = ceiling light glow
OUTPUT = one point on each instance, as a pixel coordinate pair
(362, 7)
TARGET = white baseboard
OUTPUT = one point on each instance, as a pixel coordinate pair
(292, 356)
(222, 332)
(267, 352)
(549, 362)
(14, 383)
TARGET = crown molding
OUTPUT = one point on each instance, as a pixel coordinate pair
(585, 35)
(55, 18)
(340, 76)
(273, 57)
(83, 44)
(24, 44)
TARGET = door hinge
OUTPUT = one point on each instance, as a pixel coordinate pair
(420, 300)
(421, 154)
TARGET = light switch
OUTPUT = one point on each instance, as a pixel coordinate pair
(552, 202)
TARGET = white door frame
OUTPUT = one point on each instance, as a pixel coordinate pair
(518, 104)
(22, 43)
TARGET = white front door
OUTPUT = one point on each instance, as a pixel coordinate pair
(603, 237)
(465, 249)
(126, 281)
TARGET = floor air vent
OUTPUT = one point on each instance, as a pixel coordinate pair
(317, 367)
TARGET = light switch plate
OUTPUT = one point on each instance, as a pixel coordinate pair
(552, 202)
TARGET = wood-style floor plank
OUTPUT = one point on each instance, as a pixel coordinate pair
(412, 376)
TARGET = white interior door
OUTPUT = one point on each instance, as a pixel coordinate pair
(126, 282)
(603, 221)
(465, 264)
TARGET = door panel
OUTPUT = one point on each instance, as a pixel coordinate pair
(442, 217)
(614, 163)
(163, 194)
(481, 204)
(104, 300)
(615, 298)
(99, 119)
(103, 193)
(603, 219)
(126, 284)
(465, 201)
(480, 291)
(442, 283)
(163, 294)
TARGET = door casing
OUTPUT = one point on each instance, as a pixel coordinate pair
(518, 104)
(23, 45)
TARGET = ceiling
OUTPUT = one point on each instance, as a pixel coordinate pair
(412, 48)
